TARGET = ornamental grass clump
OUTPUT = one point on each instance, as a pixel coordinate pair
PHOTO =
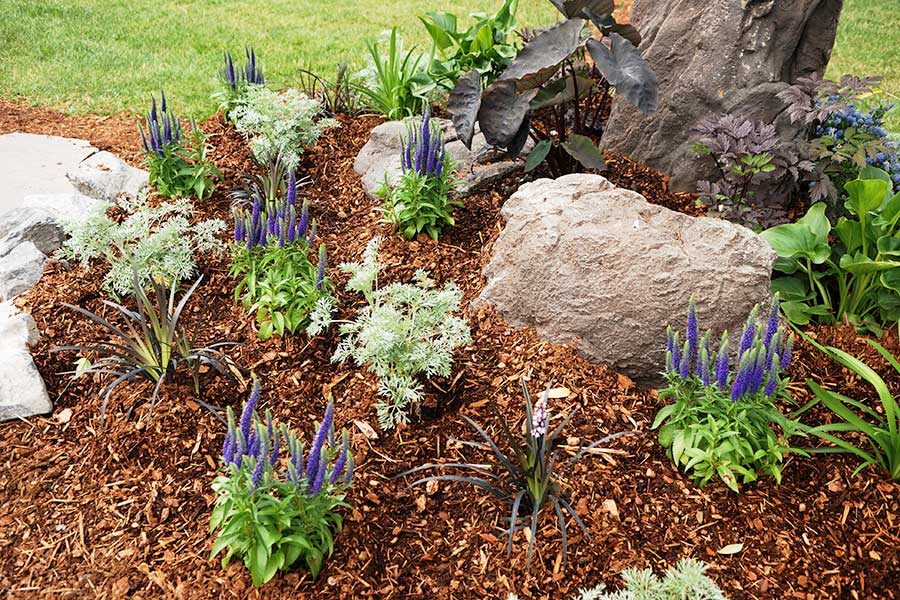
(405, 330)
(177, 163)
(277, 281)
(528, 477)
(278, 504)
(721, 421)
(421, 200)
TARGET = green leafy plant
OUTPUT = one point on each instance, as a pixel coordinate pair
(721, 421)
(177, 166)
(529, 479)
(881, 429)
(152, 343)
(551, 75)
(484, 47)
(279, 124)
(421, 201)
(855, 277)
(397, 85)
(403, 331)
(270, 259)
(161, 241)
(687, 581)
(274, 511)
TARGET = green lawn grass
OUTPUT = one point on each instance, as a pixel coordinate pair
(103, 56)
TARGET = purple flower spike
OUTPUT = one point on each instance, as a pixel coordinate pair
(350, 468)
(315, 451)
(323, 263)
(772, 380)
(684, 367)
(249, 409)
(320, 477)
(749, 332)
(676, 352)
(722, 363)
(292, 189)
(693, 332)
(773, 322)
(341, 462)
(304, 221)
(786, 357)
(312, 235)
(703, 366)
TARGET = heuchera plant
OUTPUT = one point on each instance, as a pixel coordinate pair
(720, 424)
(421, 200)
(273, 511)
(178, 166)
(529, 478)
(277, 280)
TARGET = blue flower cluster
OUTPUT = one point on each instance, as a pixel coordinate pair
(423, 151)
(870, 123)
(250, 73)
(765, 351)
(163, 128)
(256, 446)
(267, 221)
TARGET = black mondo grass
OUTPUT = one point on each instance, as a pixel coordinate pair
(529, 480)
(152, 344)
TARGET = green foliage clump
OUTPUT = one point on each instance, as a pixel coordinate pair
(160, 241)
(181, 169)
(403, 331)
(396, 85)
(483, 47)
(279, 124)
(880, 428)
(856, 274)
(277, 504)
(687, 581)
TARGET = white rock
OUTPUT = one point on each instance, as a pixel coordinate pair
(33, 225)
(20, 269)
(22, 391)
(64, 207)
(587, 263)
(104, 176)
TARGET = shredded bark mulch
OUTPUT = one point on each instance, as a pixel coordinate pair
(123, 511)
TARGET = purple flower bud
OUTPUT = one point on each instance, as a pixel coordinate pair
(676, 352)
(259, 470)
(315, 451)
(693, 332)
(772, 323)
(341, 461)
(703, 366)
(722, 363)
(786, 356)
(684, 367)
(321, 470)
(772, 380)
(304, 220)
(749, 332)
(323, 262)
(249, 408)
(312, 235)
(292, 189)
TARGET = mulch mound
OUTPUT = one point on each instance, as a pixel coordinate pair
(123, 511)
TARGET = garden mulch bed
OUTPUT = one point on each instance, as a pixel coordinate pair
(123, 511)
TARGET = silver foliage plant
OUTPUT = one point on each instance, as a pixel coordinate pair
(405, 330)
(687, 581)
(279, 123)
(160, 242)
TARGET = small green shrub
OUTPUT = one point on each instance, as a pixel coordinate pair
(403, 331)
(852, 275)
(279, 124)
(159, 241)
(275, 511)
(721, 422)
(421, 200)
(484, 47)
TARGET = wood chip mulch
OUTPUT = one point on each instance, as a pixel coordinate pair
(123, 511)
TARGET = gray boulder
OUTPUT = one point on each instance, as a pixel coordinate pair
(22, 391)
(20, 269)
(587, 263)
(104, 176)
(476, 168)
(33, 225)
(718, 57)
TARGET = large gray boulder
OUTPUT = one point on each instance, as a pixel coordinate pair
(20, 269)
(587, 263)
(105, 176)
(718, 57)
(22, 391)
(379, 159)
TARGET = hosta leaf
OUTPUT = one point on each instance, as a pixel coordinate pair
(625, 69)
(889, 245)
(850, 234)
(889, 214)
(891, 280)
(859, 263)
(796, 239)
(865, 195)
(540, 58)
(584, 150)
(537, 154)
(502, 112)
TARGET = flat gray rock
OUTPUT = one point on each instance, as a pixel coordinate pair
(587, 263)
(379, 159)
(22, 391)
(104, 176)
(20, 269)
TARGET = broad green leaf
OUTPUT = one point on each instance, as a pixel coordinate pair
(817, 221)
(797, 239)
(859, 263)
(791, 288)
(889, 246)
(584, 150)
(537, 154)
(850, 233)
(865, 195)
(891, 280)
